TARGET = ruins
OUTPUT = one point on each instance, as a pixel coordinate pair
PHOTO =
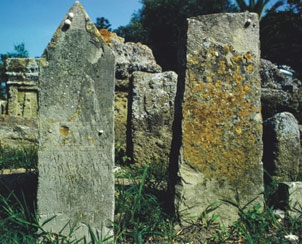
(76, 132)
(90, 89)
(221, 126)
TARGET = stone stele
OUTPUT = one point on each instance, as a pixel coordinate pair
(152, 115)
(221, 143)
(76, 143)
(281, 137)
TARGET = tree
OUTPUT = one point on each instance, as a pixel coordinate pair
(19, 52)
(160, 23)
(103, 23)
(256, 6)
(281, 36)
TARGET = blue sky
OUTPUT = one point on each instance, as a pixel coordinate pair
(33, 22)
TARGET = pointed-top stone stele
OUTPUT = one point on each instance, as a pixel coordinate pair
(76, 143)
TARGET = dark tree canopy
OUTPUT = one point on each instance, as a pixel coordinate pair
(281, 36)
(19, 52)
(256, 6)
(160, 23)
(103, 23)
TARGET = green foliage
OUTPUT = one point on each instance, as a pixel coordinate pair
(142, 217)
(19, 224)
(139, 214)
(281, 35)
(14, 158)
(102, 23)
(256, 6)
(121, 158)
(160, 23)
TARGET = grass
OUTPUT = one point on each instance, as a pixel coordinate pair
(142, 214)
(22, 157)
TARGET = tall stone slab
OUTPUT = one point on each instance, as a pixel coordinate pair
(152, 115)
(219, 137)
(76, 143)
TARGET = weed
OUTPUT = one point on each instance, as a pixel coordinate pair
(22, 157)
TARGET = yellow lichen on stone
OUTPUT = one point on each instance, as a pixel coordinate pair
(64, 131)
(217, 116)
(250, 68)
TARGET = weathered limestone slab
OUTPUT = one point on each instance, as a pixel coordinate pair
(220, 135)
(152, 115)
(129, 57)
(18, 132)
(279, 93)
(76, 144)
(23, 75)
(290, 197)
(281, 137)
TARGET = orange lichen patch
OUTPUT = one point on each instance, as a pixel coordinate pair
(250, 68)
(248, 56)
(238, 58)
(219, 133)
(222, 67)
(226, 48)
(107, 35)
(64, 131)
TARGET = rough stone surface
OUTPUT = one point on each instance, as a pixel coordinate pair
(152, 111)
(23, 75)
(290, 195)
(76, 144)
(279, 93)
(121, 118)
(18, 132)
(3, 106)
(281, 137)
(221, 130)
(130, 57)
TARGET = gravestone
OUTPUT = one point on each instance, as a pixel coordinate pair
(152, 114)
(218, 129)
(281, 137)
(76, 143)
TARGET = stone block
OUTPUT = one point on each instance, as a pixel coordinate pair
(217, 142)
(22, 86)
(121, 118)
(290, 195)
(152, 115)
(279, 93)
(281, 137)
(18, 132)
(76, 126)
(129, 57)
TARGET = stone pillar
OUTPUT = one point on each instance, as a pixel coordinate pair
(76, 144)
(217, 148)
(281, 139)
(152, 115)
(23, 75)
